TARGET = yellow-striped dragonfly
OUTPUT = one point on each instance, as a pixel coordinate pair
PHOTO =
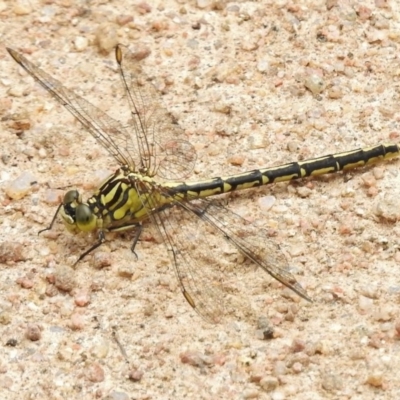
(154, 161)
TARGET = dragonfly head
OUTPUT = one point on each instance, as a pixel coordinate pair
(77, 216)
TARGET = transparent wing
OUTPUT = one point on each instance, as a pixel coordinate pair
(163, 150)
(110, 133)
(249, 241)
(199, 236)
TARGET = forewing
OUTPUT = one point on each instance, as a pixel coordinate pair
(161, 142)
(111, 134)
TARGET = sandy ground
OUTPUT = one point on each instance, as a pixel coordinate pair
(253, 84)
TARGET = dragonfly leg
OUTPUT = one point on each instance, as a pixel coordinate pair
(138, 231)
(52, 221)
(136, 239)
(101, 240)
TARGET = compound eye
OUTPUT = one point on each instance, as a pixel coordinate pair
(70, 197)
(85, 219)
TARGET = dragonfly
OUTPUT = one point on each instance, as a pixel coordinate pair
(154, 162)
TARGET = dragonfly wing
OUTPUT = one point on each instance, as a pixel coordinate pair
(249, 240)
(110, 133)
(206, 243)
(161, 142)
(200, 284)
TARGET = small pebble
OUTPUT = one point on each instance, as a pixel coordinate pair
(203, 3)
(237, 160)
(106, 38)
(140, 52)
(263, 65)
(170, 312)
(53, 197)
(11, 252)
(81, 43)
(67, 352)
(143, 8)
(357, 354)
(269, 383)
(101, 259)
(33, 332)
(135, 375)
(364, 13)
(293, 146)
(278, 395)
(195, 358)
(375, 36)
(42, 153)
(77, 322)
(266, 202)
(365, 304)
(148, 310)
(249, 44)
(280, 368)
(64, 278)
(20, 187)
(22, 8)
(323, 347)
(335, 92)
(222, 107)
(11, 343)
(304, 191)
(95, 373)
(126, 271)
(314, 83)
(297, 346)
(387, 207)
(51, 291)
(100, 349)
(250, 394)
(82, 298)
(257, 141)
(25, 283)
(297, 368)
(384, 313)
(124, 19)
(5, 318)
(331, 382)
(16, 91)
(369, 180)
(375, 379)
(371, 291)
(115, 395)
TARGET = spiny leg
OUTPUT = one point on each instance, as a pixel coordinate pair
(52, 221)
(101, 240)
(138, 232)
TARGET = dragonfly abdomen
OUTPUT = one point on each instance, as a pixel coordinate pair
(295, 170)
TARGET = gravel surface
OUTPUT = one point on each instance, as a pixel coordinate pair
(253, 84)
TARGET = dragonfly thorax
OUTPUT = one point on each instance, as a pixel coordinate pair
(122, 200)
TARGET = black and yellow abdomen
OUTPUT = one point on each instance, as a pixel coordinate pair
(295, 170)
